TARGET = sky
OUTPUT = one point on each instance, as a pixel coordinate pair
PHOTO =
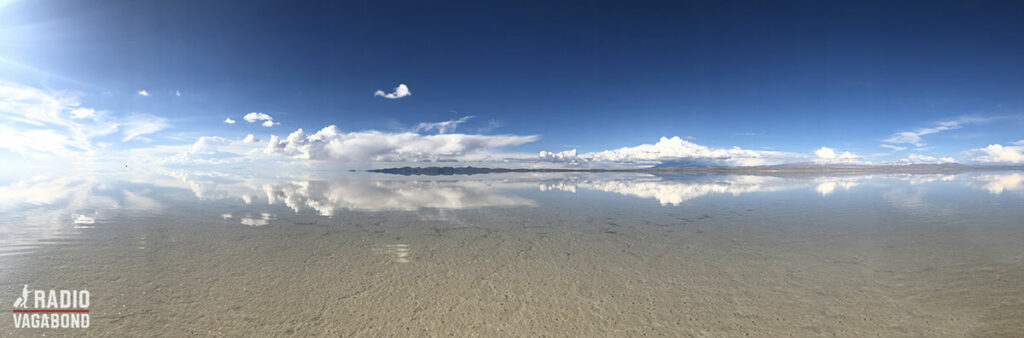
(540, 84)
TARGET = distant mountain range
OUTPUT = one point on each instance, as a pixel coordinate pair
(781, 168)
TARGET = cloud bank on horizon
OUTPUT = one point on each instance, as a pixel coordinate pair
(43, 124)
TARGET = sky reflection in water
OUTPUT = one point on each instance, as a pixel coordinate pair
(52, 209)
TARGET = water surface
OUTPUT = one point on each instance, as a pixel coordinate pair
(188, 252)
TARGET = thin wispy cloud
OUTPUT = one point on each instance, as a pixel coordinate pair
(36, 123)
(915, 137)
(177, 93)
(268, 121)
(401, 91)
(83, 113)
(142, 124)
(894, 148)
(40, 123)
(143, 92)
(441, 127)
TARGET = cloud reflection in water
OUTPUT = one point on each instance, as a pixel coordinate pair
(41, 208)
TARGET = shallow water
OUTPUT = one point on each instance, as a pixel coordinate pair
(182, 252)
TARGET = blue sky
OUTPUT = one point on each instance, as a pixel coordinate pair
(874, 82)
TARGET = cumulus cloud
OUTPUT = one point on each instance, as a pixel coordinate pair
(561, 156)
(268, 121)
(401, 91)
(251, 139)
(442, 127)
(229, 121)
(674, 149)
(829, 155)
(923, 159)
(143, 92)
(331, 144)
(997, 153)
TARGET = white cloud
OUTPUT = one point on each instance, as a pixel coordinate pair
(675, 149)
(331, 144)
(894, 148)
(253, 117)
(829, 155)
(401, 91)
(177, 93)
(208, 145)
(914, 137)
(82, 113)
(923, 159)
(251, 139)
(562, 156)
(229, 121)
(143, 92)
(442, 127)
(997, 153)
(207, 150)
(268, 121)
(142, 124)
(41, 123)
